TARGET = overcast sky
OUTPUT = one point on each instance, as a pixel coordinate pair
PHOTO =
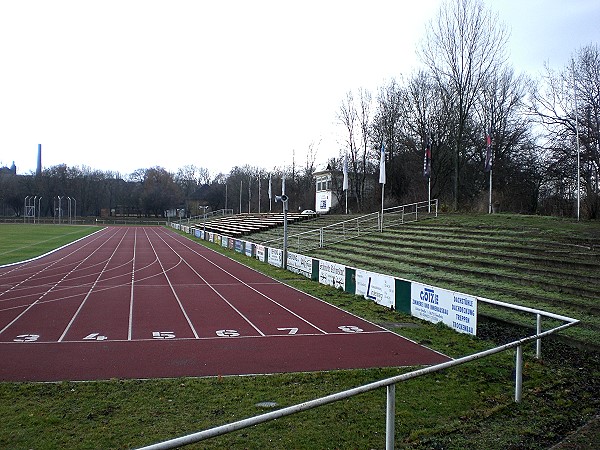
(127, 84)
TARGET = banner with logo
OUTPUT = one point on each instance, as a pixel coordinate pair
(458, 311)
(377, 287)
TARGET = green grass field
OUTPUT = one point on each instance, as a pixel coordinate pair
(19, 242)
(467, 407)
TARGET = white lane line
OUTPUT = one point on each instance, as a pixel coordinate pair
(130, 326)
(251, 287)
(215, 291)
(46, 266)
(49, 290)
(172, 288)
(62, 336)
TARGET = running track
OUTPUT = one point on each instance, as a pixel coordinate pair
(146, 302)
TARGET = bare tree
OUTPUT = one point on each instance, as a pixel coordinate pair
(465, 43)
(566, 126)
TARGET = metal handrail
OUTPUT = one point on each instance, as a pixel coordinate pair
(389, 383)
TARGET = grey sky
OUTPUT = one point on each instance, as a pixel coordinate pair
(121, 85)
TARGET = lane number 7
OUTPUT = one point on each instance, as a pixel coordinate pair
(291, 330)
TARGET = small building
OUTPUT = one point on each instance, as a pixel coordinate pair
(325, 199)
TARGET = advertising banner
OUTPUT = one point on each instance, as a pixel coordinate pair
(377, 287)
(275, 257)
(260, 252)
(248, 248)
(224, 241)
(299, 264)
(332, 274)
(239, 246)
(458, 311)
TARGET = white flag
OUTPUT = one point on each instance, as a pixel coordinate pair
(346, 172)
(382, 165)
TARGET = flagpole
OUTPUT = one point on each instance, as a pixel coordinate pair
(382, 180)
(429, 195)
(489, 165)
(490, 200)
(345, 183)
(382, 191)
(346, 201)
(270, 195)
(577, 138)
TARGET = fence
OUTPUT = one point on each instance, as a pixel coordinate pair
(358, 226)
(203, 217)
(389, 384)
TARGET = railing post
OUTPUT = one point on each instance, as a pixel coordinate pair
(519, 374)
(538, 342)
(320, 237)
(390, 412)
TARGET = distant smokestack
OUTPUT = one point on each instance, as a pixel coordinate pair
(39, 161)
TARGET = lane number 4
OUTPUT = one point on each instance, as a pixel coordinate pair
(95, 337)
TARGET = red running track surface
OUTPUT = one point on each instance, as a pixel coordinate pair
(145, 302)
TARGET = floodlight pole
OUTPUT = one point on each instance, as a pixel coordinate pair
(284, 201)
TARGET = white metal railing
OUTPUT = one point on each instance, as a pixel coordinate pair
(389, 384)
(411, 212)
(358, 226)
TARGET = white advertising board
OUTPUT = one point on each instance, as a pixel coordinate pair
(260, 252)
(299, 264)
(275, 257)
(332, 274)
(458, 311)
(377, 287)
(323, 202)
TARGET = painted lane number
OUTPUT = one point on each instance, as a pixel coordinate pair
(26, 338)
(228, 333)
(290, 330)
(163, 335)
(350, 329)
(95, 337)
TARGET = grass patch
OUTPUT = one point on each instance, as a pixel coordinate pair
(19, 242)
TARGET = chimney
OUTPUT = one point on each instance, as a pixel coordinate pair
(39, 161)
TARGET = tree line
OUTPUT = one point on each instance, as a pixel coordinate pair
(544, 140)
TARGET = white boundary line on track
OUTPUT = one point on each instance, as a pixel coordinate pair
(130, 323)
(51, 289)
(62, 336)
(188, 239)
(171, 285)
(254, 289)
(214, 290)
